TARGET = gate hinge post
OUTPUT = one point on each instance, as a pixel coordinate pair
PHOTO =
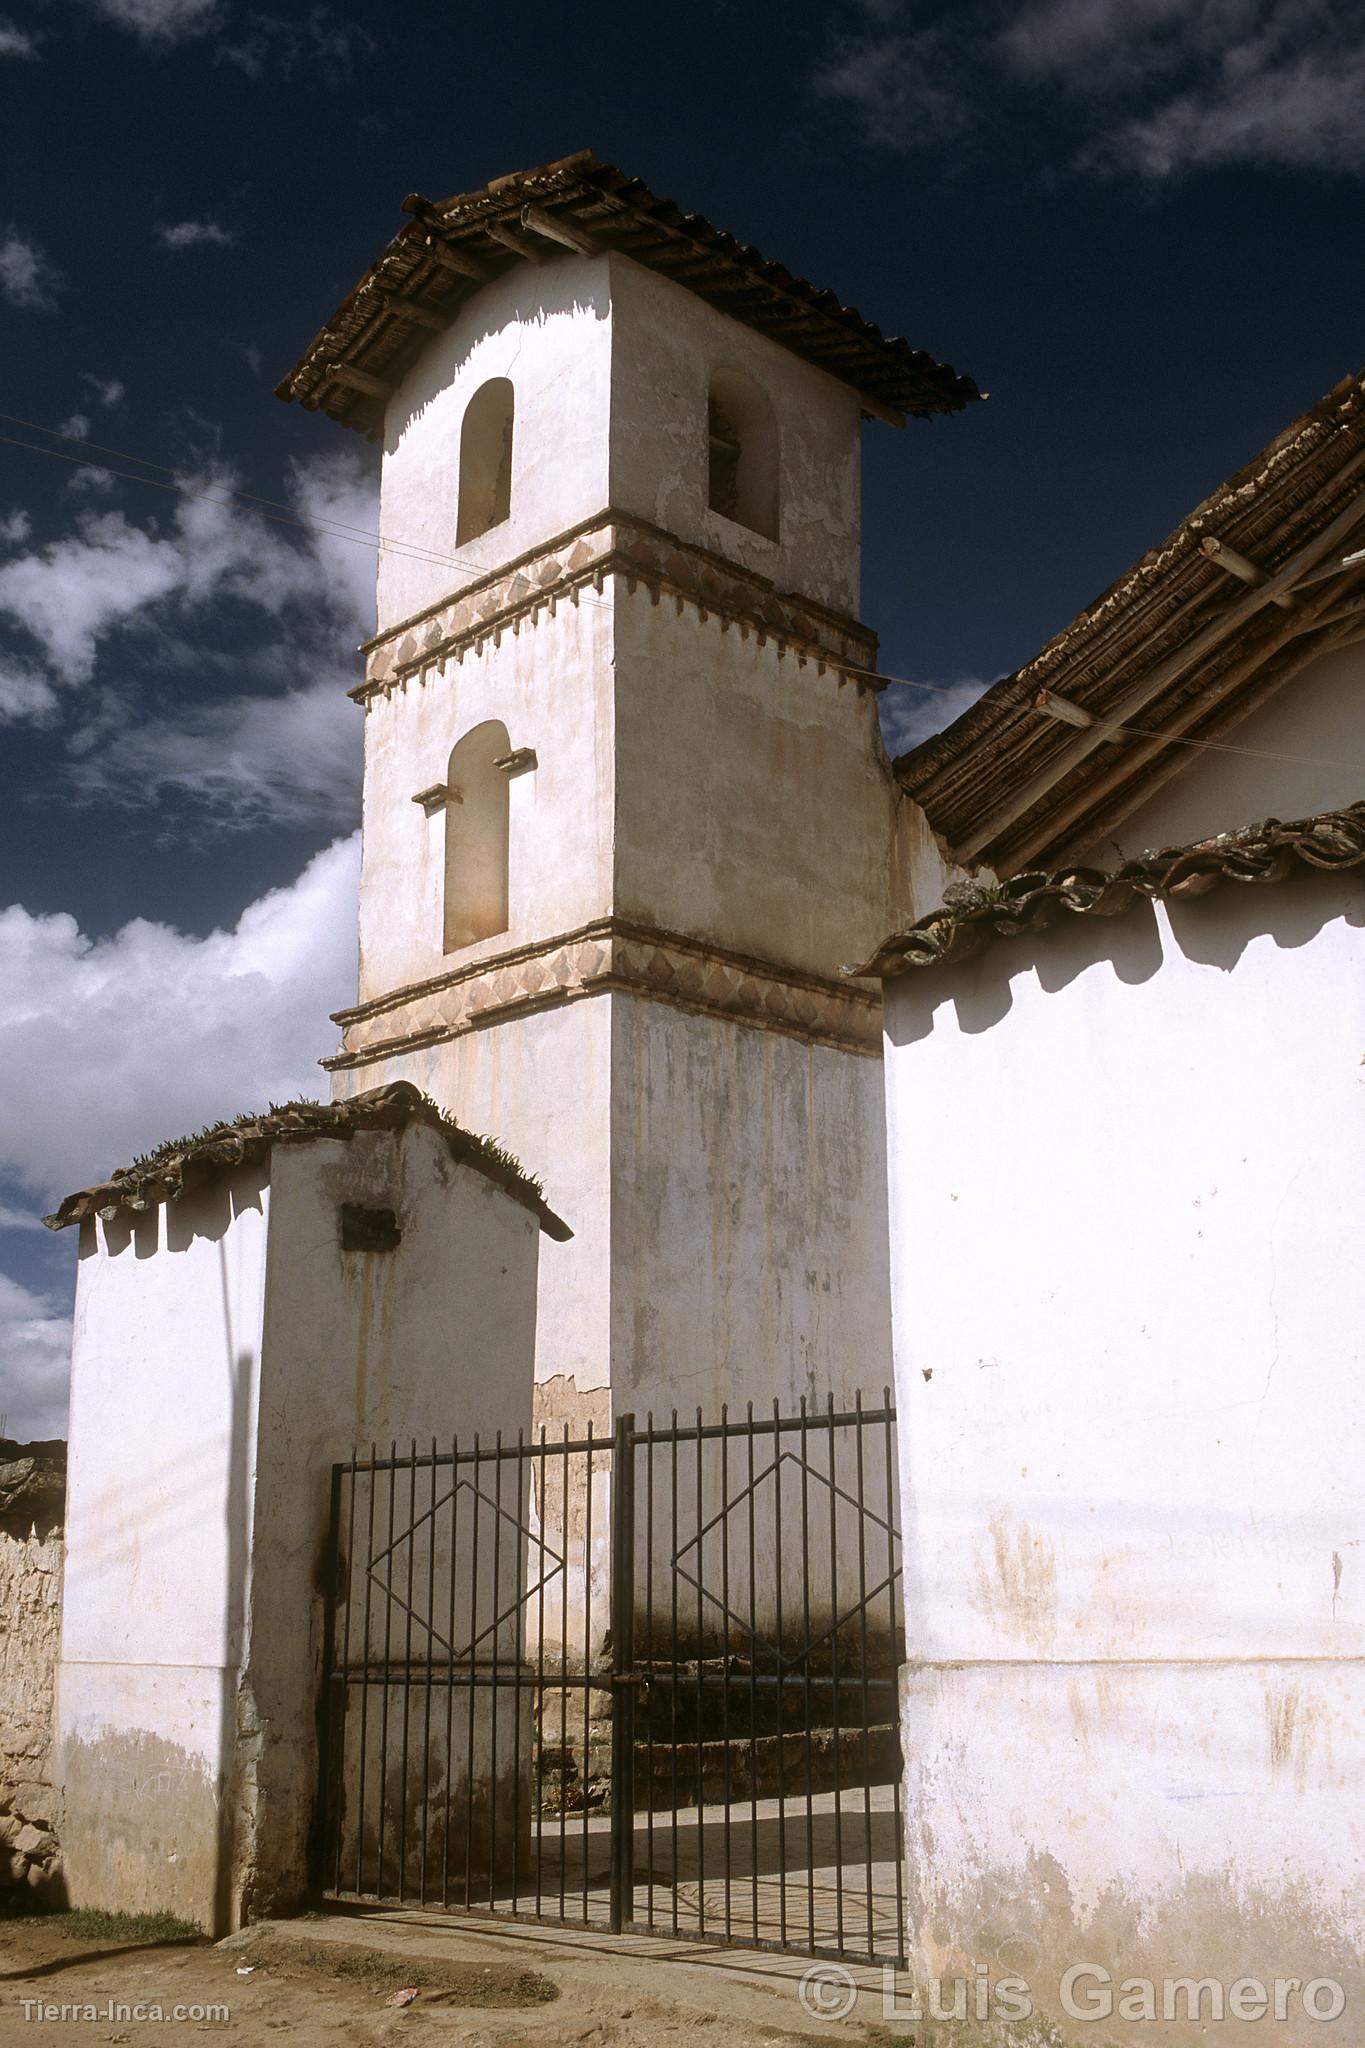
(624, 1678)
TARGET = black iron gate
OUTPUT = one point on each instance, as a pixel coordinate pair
(642, 1682)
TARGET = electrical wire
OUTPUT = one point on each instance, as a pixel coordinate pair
(278, 513)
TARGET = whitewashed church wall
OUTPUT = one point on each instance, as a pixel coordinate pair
(540, 1085)
(749, 1232)
(754, 803)
(547, 328)
(1128, 1207)
(164, 1397)
(551, 685)
(1305, 753)
(666, 346)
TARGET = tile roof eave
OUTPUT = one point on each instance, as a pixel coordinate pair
(972, 915)
(164, 1175)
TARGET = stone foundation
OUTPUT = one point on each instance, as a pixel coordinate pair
(32, 1495)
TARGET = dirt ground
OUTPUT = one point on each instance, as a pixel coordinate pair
(328, 1979)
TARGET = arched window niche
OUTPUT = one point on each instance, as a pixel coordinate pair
(742, 445)
(477, 837)
(486, 460)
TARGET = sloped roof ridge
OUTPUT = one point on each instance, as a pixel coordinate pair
(1259, 486)
(376, 332)
(163, 1174)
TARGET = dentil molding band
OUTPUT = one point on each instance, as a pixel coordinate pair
(596, 959)
(609, 545)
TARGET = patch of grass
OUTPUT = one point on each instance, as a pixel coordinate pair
(86, 1923)
(380, 1971)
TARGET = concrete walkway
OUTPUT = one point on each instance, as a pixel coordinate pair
(827, 1879)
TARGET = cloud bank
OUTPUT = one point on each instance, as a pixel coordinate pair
(262, 617)
(124, 1041)
(1148, 90)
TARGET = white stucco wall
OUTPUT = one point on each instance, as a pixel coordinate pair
(666, 346)
(611, 368)
(547, 328)
(227, 1352)
(542, 1086)
(165, 1376)
(754, 805)
(1128, 1203)
(748, 1254)
(551, 686)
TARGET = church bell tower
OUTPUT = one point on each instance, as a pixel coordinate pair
(626, 809)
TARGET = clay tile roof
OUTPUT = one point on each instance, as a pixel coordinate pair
(973, 914)
(450, 247)
(163, 1175)
(1178, 649)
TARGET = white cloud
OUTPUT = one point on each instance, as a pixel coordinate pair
(35, 1360)
(19, 1219)
(1149, 89)
(277, 741)
(106, 391)
(160, 21)
(72, 594)
(194, 234)
(27, 279)
(15, 41)
(154, 1031)
(909, 714)
(26, 695)
(328, 47)
(291, 759)
(77, 428)
(139, 1037)
(15, 528)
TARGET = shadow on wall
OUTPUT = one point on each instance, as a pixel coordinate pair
(1210, 931)
(532, 304)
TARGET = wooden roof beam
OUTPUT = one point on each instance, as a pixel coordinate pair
(1166, 672)
(1228, 557)
(433, 246)
(454, 259)
(554, 227)
(421, 316)
(1151, 746)
(357, 380)
(520, 245)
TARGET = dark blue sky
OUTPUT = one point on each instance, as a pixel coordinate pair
(1138, 226)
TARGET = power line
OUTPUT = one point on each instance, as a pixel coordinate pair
(278, 513)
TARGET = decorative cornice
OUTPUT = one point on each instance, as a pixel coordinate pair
(612, 955)
(973, 915)
(611, 545)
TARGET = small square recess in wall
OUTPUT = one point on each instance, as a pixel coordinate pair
(369, 1230)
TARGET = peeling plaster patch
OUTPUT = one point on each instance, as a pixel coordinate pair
(1015, 1587)
(144, 1820)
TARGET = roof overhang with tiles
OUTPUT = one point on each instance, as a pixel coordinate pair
(1265, 574)
(973, 914)
(187, 1163)
(450, 248)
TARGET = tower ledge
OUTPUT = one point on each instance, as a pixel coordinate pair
(611, 954)
(613, 545)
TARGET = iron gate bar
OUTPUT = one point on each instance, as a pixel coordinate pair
(623, 1680)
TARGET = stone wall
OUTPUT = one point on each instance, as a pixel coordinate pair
(32, 1495)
